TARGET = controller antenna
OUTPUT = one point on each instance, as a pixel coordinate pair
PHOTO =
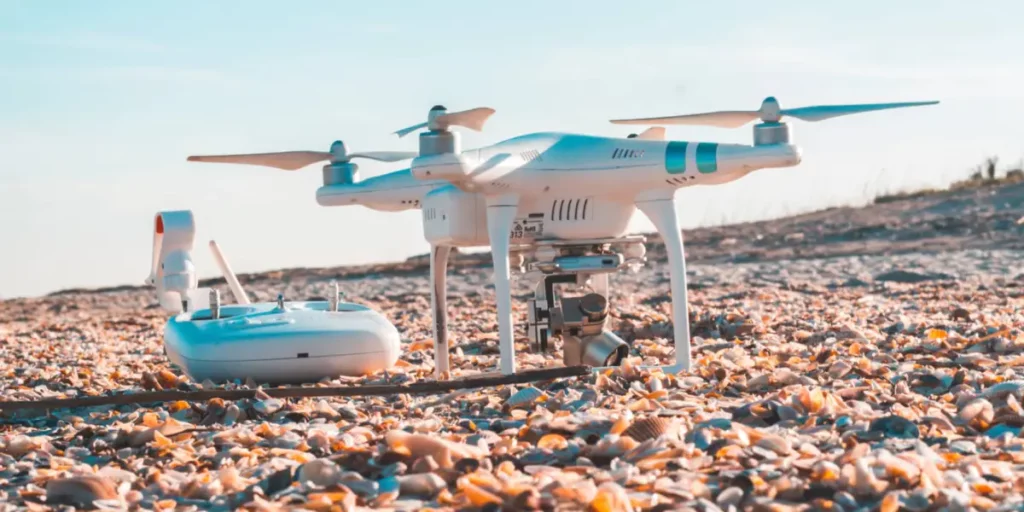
(335, 297)
(214, 304)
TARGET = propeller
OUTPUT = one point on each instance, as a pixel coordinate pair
(438, 119)
(293, 160)
(770, 112)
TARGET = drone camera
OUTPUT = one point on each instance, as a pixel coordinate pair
(581, 321)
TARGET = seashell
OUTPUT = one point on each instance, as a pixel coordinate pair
(479, 496)
(898, 468)
(890, 503)
(620, 425)
(421, 445)
(775, 443)
(976, 409)
(21, 445)
(845, 500)
(861, 480)
(342, 500)
(117, 475)
(730, 497)
(425, 464)
(527, 500)
(320, 472)
(150, 382)
(423, 485)
(524, 397)
(552, 442)
(1001, 429)
(963, 447)
(1010, 387)
(167, 379)
(80, 491)
(811, 400)
(231, 414)
(611, 497)
(268, 406)
(938, 421)
(386, 490)
(651, 427)
(613, 446)
(895, 426)
(349, 413)
(825, 471)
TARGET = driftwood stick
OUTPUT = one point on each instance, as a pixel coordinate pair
(440, 386)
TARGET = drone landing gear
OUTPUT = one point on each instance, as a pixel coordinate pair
(662, 212)
(439, 305)
(501, 215)
(580, 321)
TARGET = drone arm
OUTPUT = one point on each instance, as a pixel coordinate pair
(662, 212)
(501, 214)
(439, 305)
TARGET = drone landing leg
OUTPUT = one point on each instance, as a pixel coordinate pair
(501, 214)
(439, 306)
(662, 212)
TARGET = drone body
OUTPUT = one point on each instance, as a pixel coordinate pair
(567, 197)
(569, 186)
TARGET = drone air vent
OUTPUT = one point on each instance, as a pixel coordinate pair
(627, 153)
(570, 209)
(531, 155)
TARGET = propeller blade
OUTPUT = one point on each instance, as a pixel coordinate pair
(385, 156)
(286, 160)
(822, 112)
(723, 119)
(473, 119)
(406, 131)
(652, 133)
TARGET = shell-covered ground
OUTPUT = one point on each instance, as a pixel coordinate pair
(855, 382)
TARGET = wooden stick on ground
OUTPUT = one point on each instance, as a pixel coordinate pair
(294, 392)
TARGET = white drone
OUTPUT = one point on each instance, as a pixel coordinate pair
(564, 200)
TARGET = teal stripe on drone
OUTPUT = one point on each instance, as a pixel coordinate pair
(707, 157)
(675, 157)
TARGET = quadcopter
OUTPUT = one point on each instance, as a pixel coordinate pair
(558, 203)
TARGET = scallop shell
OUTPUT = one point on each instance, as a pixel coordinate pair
(524, 397)
(651, 427)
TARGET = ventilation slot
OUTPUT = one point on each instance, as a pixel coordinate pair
(531, 155)
(627, 153)
(570, 209)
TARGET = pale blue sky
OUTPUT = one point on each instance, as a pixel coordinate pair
(100, 103)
